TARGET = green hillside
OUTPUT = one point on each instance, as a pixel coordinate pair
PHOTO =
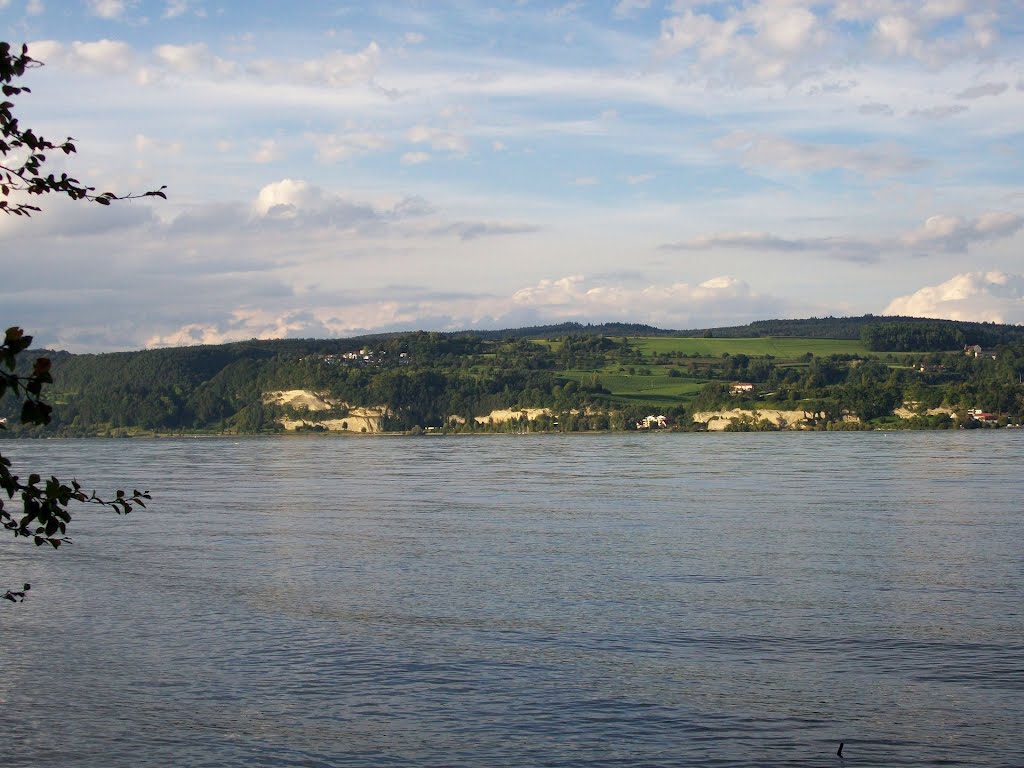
(593, 376)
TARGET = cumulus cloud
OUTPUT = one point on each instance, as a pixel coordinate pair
(440, 140)
(574, 297)
(757, 41)
(994, 297)
(108, 9)
(924, 32)
(101, 57)
(298, 204)
(762, 41)
(955, 234)
(672, 305)
(192, 59)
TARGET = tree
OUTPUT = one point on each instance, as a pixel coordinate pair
(25, 173)
(44, 514)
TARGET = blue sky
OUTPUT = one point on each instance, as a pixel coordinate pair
(336, 168)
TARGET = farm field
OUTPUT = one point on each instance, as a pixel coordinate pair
(655, 389)
(776, 346)
(645, 382)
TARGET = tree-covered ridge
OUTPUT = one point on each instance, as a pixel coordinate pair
(927, 334)
(582, 380)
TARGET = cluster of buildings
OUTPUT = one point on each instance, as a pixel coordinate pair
(364, 357)
(652, 422)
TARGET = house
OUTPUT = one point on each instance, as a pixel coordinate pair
(741, 388)
(975, 350)
(652, 422)
(983, 416)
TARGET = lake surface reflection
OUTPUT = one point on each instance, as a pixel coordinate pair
(611, 600)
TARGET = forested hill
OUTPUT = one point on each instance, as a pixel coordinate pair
(953, 332)
(986, 334)
(583, 376)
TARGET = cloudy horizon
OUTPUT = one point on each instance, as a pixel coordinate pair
(335, 169)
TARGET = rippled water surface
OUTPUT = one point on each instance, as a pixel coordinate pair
(612, 600)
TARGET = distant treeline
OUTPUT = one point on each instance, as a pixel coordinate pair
(879, 333)
(934, 335)
(424, 379)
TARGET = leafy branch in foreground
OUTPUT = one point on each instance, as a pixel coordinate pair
(45, 513)
(24, 172)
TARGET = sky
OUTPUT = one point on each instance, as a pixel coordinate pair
(338, 168)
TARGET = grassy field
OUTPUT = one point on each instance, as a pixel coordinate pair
(778, 347)
(656, 389)
(651, 384)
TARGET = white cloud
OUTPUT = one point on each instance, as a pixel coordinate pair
(756, 42)
(333, 148)
(438, 139)
(575, 297)
(175, 8)
(102, 57)
(762, 41)
(192, 59)
(673, 305)
(297, 204)
(585, 181)
(413, 38)
(35, 8)
(336, 69)
(995, 297)
(341, 69)
(149, 146)
(108, 9)
(287, 197)
(955, 234)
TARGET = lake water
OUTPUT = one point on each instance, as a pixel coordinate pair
(608, 600)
